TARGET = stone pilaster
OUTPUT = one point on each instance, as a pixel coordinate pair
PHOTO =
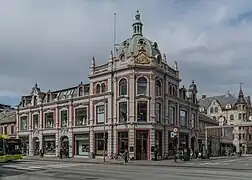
(152, 142)
(132, 140)
(131, 98)
(57, 117)
(152, 101)
(57, 143)
(30, 121)
(70, 114)
(30, 145)
(71, 143)
(166, 141)
(109, 130)
(91, 140)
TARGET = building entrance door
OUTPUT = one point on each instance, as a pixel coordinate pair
(141, 145)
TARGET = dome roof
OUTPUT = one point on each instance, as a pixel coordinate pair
(138, 43)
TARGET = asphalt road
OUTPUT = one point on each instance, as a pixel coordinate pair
(53, 170)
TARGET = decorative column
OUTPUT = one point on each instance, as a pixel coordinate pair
(70, 113)
(41, 116)
(132, 147)
(30, 145)
(178, 123)
(152, 94)
(166, 141)
(91, 140)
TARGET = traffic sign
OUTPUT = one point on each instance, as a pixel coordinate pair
(173, 134)
(175, 130)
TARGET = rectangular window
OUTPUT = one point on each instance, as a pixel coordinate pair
(100, 114)
(172, 115)
(158, 113)
(123, 111)
(239, 116)
(122, 141)
(63, 118)
(81, 116)
(49, 121)
(35, 118)
(142, 111)
(24, 123)
(12, 129)
(5, 130)
(99, 143)
(193, 122)
(183, 118)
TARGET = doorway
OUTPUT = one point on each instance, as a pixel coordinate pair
(141, 145)
(35, 146)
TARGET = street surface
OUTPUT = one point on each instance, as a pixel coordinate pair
(231, 168)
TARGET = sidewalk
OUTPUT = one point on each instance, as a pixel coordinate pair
(112, 161)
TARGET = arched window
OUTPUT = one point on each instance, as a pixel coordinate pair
(216, 109)
(174, 90)
(98, 88)
(123, 87)
(170, 89)
(103, 87)
(211, 110)
(158, 88)
(231, 117)
(142, 85)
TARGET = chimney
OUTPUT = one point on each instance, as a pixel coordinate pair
(203, 96)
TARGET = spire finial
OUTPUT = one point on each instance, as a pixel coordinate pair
(240, 86)
(36, 85)
(137, 25)
(93, 62)
(176, 65)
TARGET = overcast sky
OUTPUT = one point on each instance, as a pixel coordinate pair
(52, 42)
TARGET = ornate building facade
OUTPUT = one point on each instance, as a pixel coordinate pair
(230, 110)
(136, 93)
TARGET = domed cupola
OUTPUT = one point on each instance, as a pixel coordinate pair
(143, 50)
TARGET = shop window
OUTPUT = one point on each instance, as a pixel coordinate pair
(35, 119)
(123, 111)
(49, 145)
(63, 118)
(24, 123)
(172, 115)
(158, 113)
(123, 87)
(49, 121)
(142, 85)
(82, 145)
(81, 116)
(122, 141)
(99, 143)
(100, 114)
(183, 118)
(158, 88)
(142, 111)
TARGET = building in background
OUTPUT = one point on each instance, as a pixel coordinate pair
(230, 110)
(136, 94)
(8, 123)
(213, 135)
(4, 107)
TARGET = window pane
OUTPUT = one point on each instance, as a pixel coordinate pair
(80, 116)
(64, 118)
(123, 112)
(100, 114)
(142, 110)
(172, 115)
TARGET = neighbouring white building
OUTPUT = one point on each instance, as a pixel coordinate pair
(231, 110)
(136, 93)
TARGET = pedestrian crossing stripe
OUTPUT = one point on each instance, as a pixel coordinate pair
(31, 168)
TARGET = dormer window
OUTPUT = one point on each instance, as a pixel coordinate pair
(48, 98)
(81, 91)
(141, 41)
(211, 110)
(35, 101)
(216, 109)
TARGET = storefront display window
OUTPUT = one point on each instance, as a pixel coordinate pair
(122, 141)
(99, 143)
(49, 145)
(82, 145)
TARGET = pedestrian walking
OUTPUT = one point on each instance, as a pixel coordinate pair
(126, 153)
